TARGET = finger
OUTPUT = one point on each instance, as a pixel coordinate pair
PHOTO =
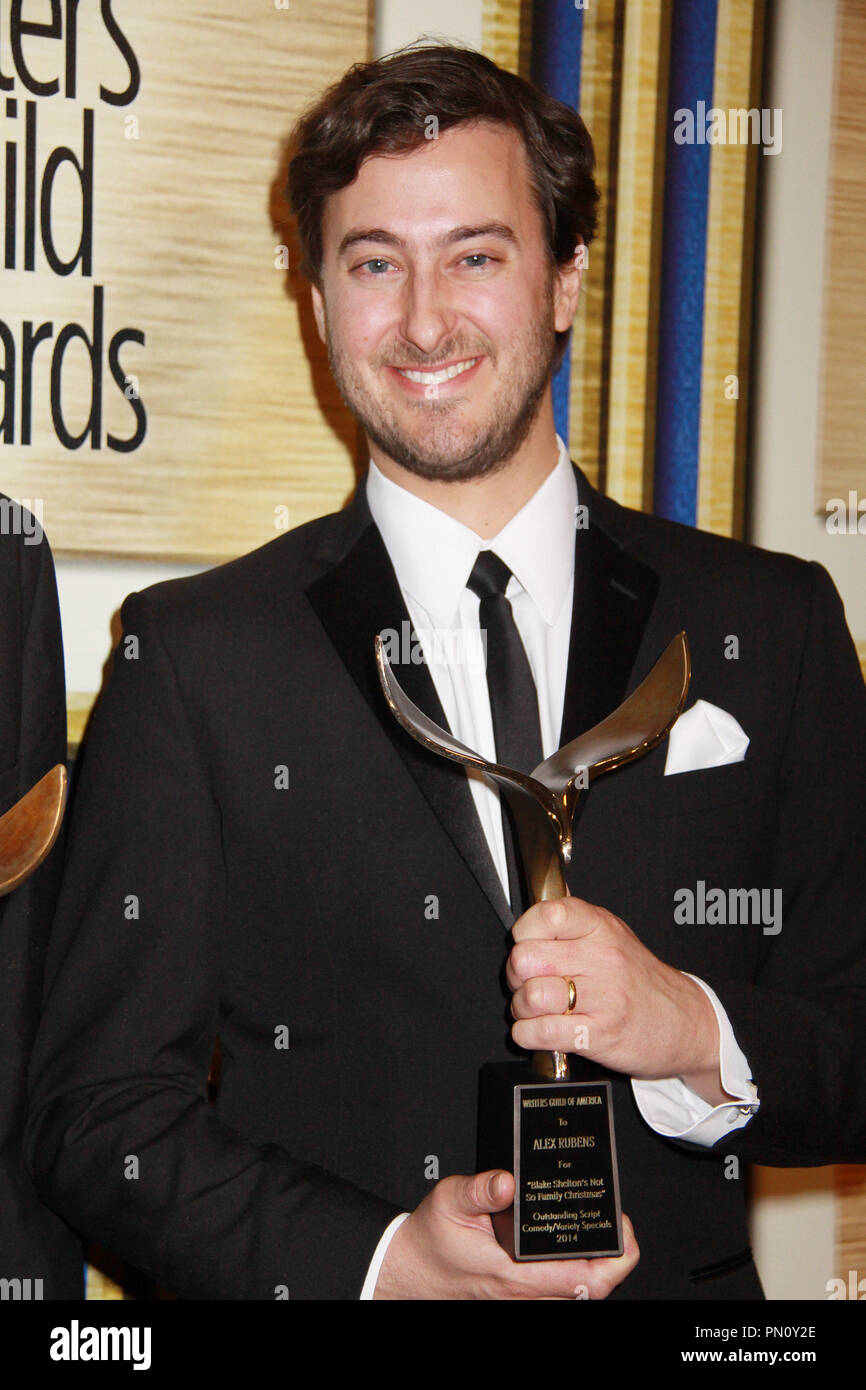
(482, 1192)
(605, 1273)
(533, 959)
(593, 1279)
(564, 918)
(550, 994)
(557, 1033)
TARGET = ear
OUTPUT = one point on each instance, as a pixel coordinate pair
(566, 291)
(319, 311)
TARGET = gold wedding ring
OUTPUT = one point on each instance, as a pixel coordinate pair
(572, 995)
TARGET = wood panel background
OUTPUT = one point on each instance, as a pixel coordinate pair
(851, 1179)
(636, 253)
(728, 290)
(505, 34)
(243, 418)
(842, 429)
(851, 1223)
(600, 80)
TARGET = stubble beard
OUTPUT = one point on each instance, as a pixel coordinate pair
(436, 452)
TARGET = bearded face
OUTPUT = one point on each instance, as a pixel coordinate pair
(439, 304)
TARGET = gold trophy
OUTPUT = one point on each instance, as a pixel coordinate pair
(556, 1135)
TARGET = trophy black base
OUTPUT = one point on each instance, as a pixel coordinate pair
(557, 1138)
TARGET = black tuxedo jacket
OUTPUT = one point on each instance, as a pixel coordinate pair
(34, 1244)
(258, 851)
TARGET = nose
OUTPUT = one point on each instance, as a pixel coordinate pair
(427, 318)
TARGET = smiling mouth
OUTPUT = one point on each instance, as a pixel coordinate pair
(439, 377)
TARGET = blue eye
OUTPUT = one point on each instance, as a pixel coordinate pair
(377, 260)
(477, 256)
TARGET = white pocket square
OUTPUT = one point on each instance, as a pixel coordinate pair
(705, 736)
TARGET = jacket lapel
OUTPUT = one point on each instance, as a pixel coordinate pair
(614, 595)
(357, 597)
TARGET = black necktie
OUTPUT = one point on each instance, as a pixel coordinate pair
(513, 696)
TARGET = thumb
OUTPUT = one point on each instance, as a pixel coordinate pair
(485, 1192)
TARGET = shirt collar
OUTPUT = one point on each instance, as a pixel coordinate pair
(433, 554)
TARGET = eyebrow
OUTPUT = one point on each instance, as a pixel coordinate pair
(450, 238)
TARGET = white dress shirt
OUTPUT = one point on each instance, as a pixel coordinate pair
(433, 555)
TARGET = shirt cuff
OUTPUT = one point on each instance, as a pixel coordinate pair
(378, 1256)
(672, 1109)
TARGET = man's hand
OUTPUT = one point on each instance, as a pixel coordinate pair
(633, 1013)
(447, 1249)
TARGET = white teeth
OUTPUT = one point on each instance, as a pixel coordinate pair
(436, 378)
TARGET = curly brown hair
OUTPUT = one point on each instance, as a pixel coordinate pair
(383, 107)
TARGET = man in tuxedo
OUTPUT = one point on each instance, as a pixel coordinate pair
(34, 1244)
(260, 853)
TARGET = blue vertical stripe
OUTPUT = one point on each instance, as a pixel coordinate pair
(557, 33)
(681, 320)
